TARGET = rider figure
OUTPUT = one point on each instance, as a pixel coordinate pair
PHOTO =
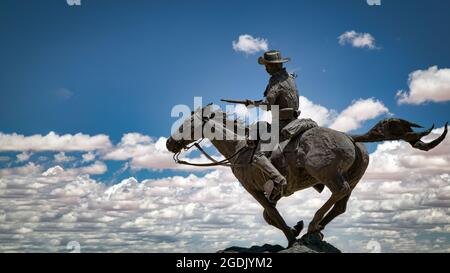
(280, 91)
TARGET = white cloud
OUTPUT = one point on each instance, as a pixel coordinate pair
(250, 115)
(211, 212)
(54, 171)
(170, 214)
(132, 139)
(351, 118)
(32, 169)
(403, 202)
(96, 168)
(24, 156)
(61, 157)
(53, 142)
(26, 170)
(88, 157)
(359, 111)
(131, 144)
(250, 45)
(144, 152)
(357, 39)
(431, 85)
(396, 159)
(316, 112)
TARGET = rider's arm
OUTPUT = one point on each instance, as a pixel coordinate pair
(271, 95)
(256, 103)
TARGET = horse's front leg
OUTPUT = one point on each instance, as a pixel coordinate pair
(273, 217)
(297, 229)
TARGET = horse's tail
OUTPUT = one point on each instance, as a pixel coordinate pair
(400, 129)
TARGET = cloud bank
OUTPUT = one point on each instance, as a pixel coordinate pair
(53, 142)
(402, 204)
(403, 201)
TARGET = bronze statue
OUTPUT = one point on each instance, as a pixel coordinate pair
(311, 156)
(282, 91)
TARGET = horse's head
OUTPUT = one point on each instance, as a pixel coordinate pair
(190, 130)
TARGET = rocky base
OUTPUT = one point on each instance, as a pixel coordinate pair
(308, 243)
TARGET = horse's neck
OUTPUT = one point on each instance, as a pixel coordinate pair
(228, 147)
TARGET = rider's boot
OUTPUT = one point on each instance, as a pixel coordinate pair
(274, 186)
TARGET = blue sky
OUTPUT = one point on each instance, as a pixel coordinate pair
(115, 67)
(126, 65)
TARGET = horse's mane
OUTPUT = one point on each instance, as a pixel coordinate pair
(237, 122)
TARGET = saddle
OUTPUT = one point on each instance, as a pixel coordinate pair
(297, 127)
(287, 149)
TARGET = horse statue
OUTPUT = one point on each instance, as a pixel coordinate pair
(316, 158)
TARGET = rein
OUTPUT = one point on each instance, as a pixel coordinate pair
(225, 162)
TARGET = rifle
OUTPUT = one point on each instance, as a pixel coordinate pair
(245, 102)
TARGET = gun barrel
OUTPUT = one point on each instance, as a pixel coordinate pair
(235, 101)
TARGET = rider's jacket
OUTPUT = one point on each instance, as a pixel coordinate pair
(282, 91)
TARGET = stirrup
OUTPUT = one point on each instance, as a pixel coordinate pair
(269, 187)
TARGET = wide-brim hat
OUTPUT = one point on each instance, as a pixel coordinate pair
(272, 57)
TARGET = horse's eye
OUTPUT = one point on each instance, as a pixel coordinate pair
(212, 115)
(180, 130)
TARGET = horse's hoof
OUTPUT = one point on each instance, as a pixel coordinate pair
(314, 228)
(291, 243)
(314, 235)
(320, 235)
(298, 228)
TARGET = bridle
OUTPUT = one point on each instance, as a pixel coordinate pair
(225, 162)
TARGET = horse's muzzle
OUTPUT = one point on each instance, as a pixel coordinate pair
(173, 145)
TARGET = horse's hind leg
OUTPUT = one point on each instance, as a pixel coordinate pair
(339, 190)
(315, 226)
(338, 209)
(354, 174)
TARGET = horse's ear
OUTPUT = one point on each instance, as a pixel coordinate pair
(210, 117)
(207, 106)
